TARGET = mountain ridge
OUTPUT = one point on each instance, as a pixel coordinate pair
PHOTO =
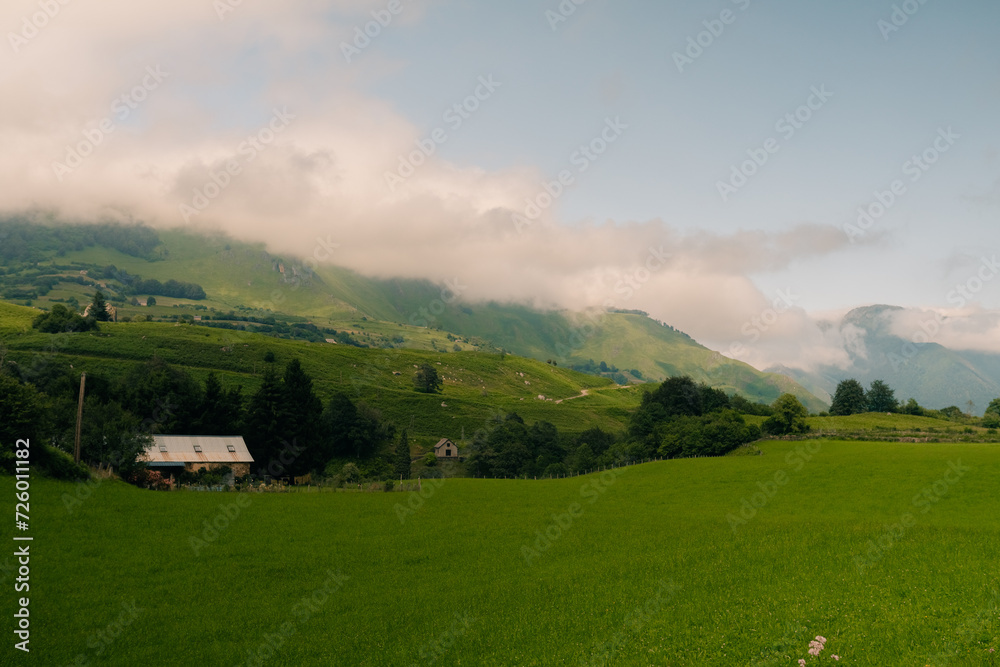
(422, 314)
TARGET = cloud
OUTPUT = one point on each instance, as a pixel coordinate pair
(258, 126)
(970, 328)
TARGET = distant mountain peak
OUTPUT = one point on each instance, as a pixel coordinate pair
(870, 318)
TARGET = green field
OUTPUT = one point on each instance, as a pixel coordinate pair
(654, 568)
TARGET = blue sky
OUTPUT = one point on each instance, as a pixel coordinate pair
(343, 167)
(687, 129)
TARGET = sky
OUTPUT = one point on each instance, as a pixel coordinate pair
(743, 170)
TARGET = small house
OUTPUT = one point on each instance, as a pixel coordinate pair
(446, 449)
(173, 453)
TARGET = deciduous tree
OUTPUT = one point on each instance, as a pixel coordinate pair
(427, 379)
(849, 398)
(881, 398)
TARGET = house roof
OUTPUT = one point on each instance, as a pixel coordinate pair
(445, 441)
(167, 449)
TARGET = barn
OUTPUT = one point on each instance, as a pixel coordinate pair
(446, 449)
(173, 453)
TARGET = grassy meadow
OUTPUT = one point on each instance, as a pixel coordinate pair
(889, 550)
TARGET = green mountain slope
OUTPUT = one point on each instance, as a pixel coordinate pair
(415, 314)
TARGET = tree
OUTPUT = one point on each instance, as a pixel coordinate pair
(713, 399)
(849, 398)
(265, 421)
(912, 408)
(952, 412)
(302, 411)
(881, 398)
(992, 417)
(337, 422)
(350, 473)
(166, 398)
(370, 431)
(220, 412)
(502, 451)
(741, 404)
(113, 435)
(679, 396)
(20, 412)
(789, 416)
(713, 434)
(99, 307)
(60, 319)
(402, 466)
(583, 459)
(151, 301)
(427, 379)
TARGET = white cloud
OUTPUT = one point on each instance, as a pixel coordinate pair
(323, 175)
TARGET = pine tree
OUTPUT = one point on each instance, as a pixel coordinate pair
(302, 410)
(219, 412)
(265, 421)
(403, 456)
(337, 424)
(99, 307)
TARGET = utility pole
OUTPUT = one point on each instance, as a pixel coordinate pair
(79, 419)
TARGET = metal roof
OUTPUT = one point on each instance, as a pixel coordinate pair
(198, 449)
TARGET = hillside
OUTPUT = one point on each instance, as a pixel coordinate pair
(391, 313)
(477, 385)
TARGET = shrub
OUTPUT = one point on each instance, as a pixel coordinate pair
(350, 473)
(147, 479)
(556, 470)
(58, 464)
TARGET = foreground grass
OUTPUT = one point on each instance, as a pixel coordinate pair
(660, 537)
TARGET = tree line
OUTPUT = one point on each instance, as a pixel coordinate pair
(24, 240)
(852, 398)
(134, 284)
(283, 420)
